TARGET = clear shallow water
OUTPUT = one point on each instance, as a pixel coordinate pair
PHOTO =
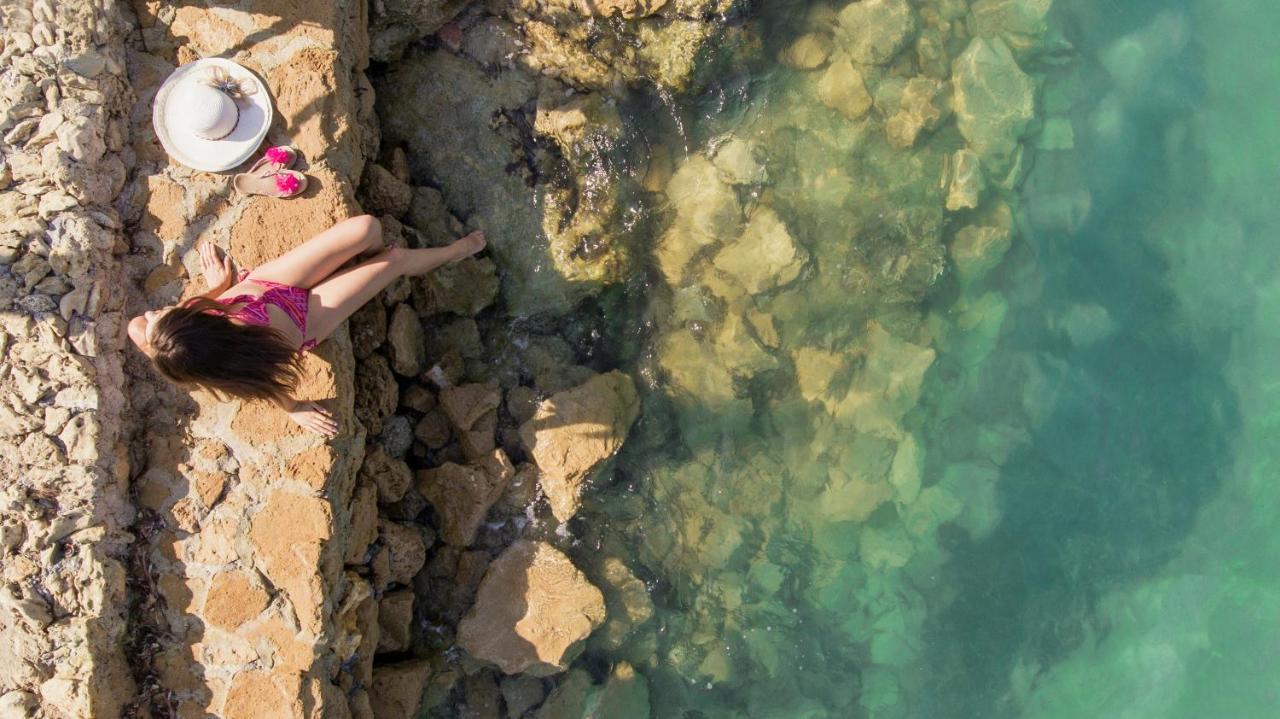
(1076, 517)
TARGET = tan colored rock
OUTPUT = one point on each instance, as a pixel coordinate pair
(391, 476)
(765, 256)
(382, 193)
(405, 341)
(364, 523)
(395, 620)
(841, 87)
(574, 432)
(875, 30)
(466, 404)
(532, 612)
(233, 599)
(463, 495)
(809, 51)
(396, 691)
(404, 548)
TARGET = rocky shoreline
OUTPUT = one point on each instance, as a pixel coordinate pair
(170, 554)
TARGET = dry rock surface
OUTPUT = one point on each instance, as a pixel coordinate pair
(533, 610)
(64, 509)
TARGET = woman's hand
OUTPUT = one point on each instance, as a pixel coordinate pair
(311, 416)
(216, 267)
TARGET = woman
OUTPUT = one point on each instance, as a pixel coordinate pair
(245, 338)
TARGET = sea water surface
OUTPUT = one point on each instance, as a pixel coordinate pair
(1079, 513)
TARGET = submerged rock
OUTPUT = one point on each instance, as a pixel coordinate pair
(875, 30)
(994, 101)
(765, 256)
(809, 51)
(842, 89)
(532, 612)
(1022, 24)
(574, 432)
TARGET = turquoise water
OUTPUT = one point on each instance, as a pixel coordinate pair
(1046, 490)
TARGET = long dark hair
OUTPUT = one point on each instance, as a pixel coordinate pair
(196, 343)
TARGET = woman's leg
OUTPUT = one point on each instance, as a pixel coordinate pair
(309, 263)
(333, 300)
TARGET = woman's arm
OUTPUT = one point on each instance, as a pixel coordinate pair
(310, 416)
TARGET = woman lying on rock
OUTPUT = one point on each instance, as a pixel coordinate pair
(245, 337)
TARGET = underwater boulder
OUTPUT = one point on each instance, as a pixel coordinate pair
(1022, 24)
(842, 89)
(807, 52)
(994, 101)
(765, 256)
(874, 31)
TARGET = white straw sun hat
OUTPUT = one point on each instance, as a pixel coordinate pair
(211, 114)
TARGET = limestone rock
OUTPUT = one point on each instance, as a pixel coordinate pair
(429, 215)
(473, 410)
(574, 432)
(807, 52)
(396, 690)
(463, 288)
(917, 110)
(842, 89)
(1022, 24)
(707, 212)
(368, 328)
(738, 162)
(875, 30)
(396, 435)
(395, 618)
(626, 9)
(977, 250)
(395, 24)
(391, 476)
(405, 341)
(965, 181)
(363, 529)
(693, 369)
(532, 612)
(994, 101)
(627, 599)
(765, 256)
(462, 495)
(404, 548)
(376, 392)
(382, 193)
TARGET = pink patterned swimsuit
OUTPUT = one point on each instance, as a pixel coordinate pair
(291, 300)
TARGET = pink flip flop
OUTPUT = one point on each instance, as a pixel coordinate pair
(282, 157)
(265, 180)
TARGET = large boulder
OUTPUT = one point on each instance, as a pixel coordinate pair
(463, 494)
(532, 612)
(396, 690)
(875, 30)
(765, 256)
(573, 432)
(994, 100)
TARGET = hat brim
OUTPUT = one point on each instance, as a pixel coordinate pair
(224, 153)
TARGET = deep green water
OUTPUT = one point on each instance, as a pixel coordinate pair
(1079, 513)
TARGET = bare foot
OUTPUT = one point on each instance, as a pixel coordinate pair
(469, 245)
